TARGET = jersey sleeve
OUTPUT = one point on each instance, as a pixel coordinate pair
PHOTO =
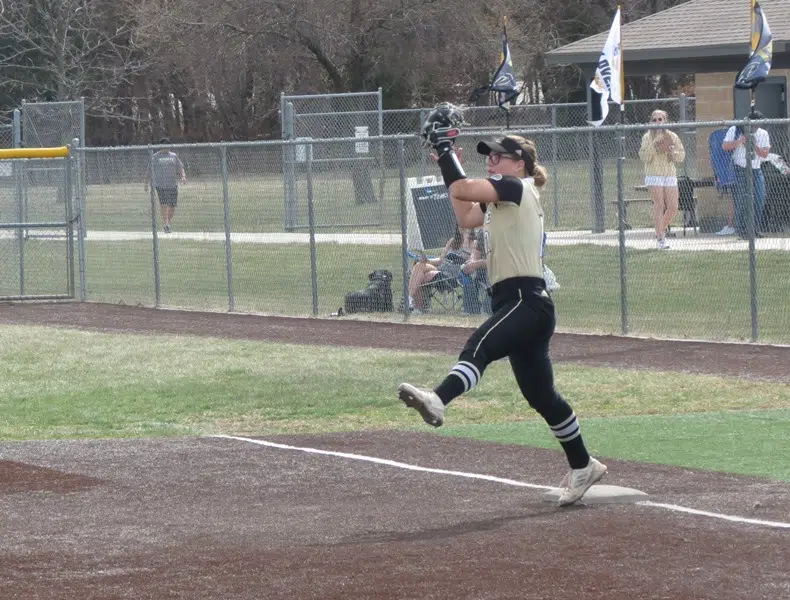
(508, 188)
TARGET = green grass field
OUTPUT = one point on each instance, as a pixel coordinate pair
(681, 294)
(63, 384)
(677, 294)
(256, 201)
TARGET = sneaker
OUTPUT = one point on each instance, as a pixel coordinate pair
(425, 402)
(167, 228)
(726, 230)
(662, 244)
(578, 481)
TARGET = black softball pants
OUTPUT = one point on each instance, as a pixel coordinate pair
(521, 328)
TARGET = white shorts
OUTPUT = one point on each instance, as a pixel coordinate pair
(660, 181)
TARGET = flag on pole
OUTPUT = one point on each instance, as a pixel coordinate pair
(609, 74)
(761, 52)
(504, 81)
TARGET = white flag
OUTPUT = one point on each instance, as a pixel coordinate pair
(608, 80)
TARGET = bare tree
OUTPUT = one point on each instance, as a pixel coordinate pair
(64, 49)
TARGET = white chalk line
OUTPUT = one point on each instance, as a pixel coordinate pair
(502, 480)
(389, 463)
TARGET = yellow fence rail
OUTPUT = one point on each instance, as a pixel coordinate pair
(11, 153)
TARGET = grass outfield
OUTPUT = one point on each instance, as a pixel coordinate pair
(256, 200)
(57, 383)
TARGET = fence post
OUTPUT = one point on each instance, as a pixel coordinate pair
(68, 197)
(17, 128)
(685, 133)
(311, 225)
(403, 240)
(750, 228)
(423, 153)
(83, 141)
(555, 171)
(621, 228)
(223, 157)
(157, 287)
(597, 202)
(77, 164)
(291, 211)
(381, 156)
(18, 172)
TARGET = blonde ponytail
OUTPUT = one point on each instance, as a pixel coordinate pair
(541, 177)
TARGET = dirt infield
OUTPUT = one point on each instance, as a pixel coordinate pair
(208, 518)
(211, 518)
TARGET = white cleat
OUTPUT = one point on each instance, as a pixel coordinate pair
(578, 481)
(425, 402)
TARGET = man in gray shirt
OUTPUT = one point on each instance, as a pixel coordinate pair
(165, 172)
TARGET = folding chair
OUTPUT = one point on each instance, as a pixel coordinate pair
(446, 293)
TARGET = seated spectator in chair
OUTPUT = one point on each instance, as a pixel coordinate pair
(462, 246)
(475, 280)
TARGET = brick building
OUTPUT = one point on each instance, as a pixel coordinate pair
(709, 39)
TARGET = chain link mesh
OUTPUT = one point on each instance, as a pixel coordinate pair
(35, 261)
(236, 193)
(333, 116)
(528, 116)
(52, 124)
(6, 136)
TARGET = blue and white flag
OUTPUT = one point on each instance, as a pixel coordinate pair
(608, 80)
(504, 80)
(762, 45)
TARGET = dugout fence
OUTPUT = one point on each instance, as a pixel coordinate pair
(38, 222)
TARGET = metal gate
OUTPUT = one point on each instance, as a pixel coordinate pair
(311, 117)
(37, 224)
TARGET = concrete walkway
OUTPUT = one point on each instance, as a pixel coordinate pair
(639, 239)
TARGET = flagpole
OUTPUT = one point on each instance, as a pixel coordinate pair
(620, 195)
(752, 48)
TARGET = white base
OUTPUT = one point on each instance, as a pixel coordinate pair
(602, 494)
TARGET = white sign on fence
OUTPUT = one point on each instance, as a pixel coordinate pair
(362, 132)
(303, 149)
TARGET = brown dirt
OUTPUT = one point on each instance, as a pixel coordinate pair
(208, 518)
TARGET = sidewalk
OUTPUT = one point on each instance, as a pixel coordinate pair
(637, 239)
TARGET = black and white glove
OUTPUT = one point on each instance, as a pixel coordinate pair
(441, 127)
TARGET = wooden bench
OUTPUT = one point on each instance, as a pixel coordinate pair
(688, 209)
(627, 201)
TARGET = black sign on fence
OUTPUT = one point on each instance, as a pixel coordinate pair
(435, 215)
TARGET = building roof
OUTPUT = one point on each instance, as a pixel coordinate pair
(699, 29)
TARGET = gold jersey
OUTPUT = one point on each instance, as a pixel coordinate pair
(513, 230)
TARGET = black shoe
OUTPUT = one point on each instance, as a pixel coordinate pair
(167, 228)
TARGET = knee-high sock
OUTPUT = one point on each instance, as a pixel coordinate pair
(462, 377)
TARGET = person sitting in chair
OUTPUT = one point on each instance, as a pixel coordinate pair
(446, 268)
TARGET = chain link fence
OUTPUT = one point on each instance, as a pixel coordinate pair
(333, 116)
(529, 116)
(233, 246)
(6, 136)
(37, 241)
(52, 124)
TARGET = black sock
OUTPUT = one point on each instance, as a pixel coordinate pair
(576, 453)
(462, 377)
(569, 436)
(450, 388)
